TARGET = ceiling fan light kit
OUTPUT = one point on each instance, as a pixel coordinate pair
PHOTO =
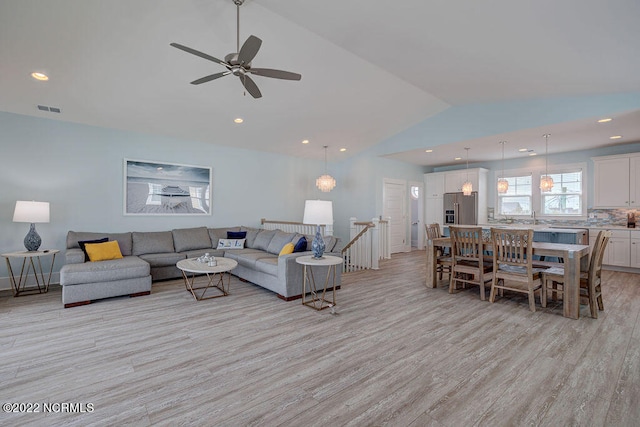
(239, 63)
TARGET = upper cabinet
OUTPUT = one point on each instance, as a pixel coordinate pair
(434, 185)
(616, 181)
(454, 180)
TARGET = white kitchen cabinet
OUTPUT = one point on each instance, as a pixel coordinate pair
(434, 190)
(635, 249)
(433, 211)
(453, 181)
(618, 250)
(615, 181)
(634, 181)
(434, 185)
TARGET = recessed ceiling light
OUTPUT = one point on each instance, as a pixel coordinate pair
(605, 120)
(428, 151)
(305, 141)
(458, 158)
(40, 76)
(615, 137)
(522, 150)
(238, 120)
(343, 149)
(533, 154)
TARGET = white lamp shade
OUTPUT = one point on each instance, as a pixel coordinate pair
(318, 212)
(31, 212)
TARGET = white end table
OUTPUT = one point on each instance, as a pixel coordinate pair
(19, 285)
(193, 266)
(308, 262)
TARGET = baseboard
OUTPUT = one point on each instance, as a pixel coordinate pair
(5, 282)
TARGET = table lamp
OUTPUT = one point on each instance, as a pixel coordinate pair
(318, 212)
(31, 212)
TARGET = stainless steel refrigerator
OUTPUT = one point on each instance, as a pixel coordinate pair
(460, 209)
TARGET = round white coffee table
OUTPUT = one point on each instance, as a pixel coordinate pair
(319, 302)
(215, 276)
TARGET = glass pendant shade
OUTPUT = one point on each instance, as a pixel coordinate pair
(503, 186)
(467, 188)
(325, 183)
(546, 183)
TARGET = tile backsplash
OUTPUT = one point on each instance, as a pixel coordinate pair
(596, 218)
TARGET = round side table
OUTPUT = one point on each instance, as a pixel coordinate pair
(316, 301)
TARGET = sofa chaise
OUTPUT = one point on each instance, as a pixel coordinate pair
(152, 256)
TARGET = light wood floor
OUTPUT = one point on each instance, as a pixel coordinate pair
(397, 354)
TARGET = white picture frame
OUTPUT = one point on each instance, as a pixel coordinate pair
(161, 188)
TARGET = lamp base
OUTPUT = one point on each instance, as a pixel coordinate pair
(317, 246)
(32, 240)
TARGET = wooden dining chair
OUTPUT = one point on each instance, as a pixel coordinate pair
(513, 265)
(590, 281)
(443, 261)
(469, 265)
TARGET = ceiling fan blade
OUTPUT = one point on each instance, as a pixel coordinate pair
(198, 53)
(250, 86)
(276, 74)
(249, 50)
(210, 77)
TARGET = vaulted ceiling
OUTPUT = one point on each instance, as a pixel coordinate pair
(370, 68)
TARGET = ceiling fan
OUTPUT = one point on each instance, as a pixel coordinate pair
(239, 63)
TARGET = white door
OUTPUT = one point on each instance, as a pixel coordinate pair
(416, 194)
(395, 208)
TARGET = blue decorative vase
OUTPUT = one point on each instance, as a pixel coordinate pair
(317, 246)
(32, 240)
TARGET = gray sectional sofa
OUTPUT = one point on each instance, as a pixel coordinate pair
(151, 256)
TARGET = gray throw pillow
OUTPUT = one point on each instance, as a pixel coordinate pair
(263, 239)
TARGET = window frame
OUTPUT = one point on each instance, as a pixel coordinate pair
(515, 173)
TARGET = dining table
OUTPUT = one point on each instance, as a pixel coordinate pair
(576, 259)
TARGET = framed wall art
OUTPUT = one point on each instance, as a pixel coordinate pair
(152, 188)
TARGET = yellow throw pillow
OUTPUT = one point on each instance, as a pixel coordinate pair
(103, 251)
(287, 249)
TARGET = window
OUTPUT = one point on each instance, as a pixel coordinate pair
(517, 200)
(565, 198)
(415, 192)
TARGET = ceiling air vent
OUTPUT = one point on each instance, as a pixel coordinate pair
(50, 109)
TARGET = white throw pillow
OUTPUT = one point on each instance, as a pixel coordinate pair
(231, 243)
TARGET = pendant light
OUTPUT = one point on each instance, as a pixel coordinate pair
(467, 187)
(546, 182)
(326, 182)
(503, 184)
